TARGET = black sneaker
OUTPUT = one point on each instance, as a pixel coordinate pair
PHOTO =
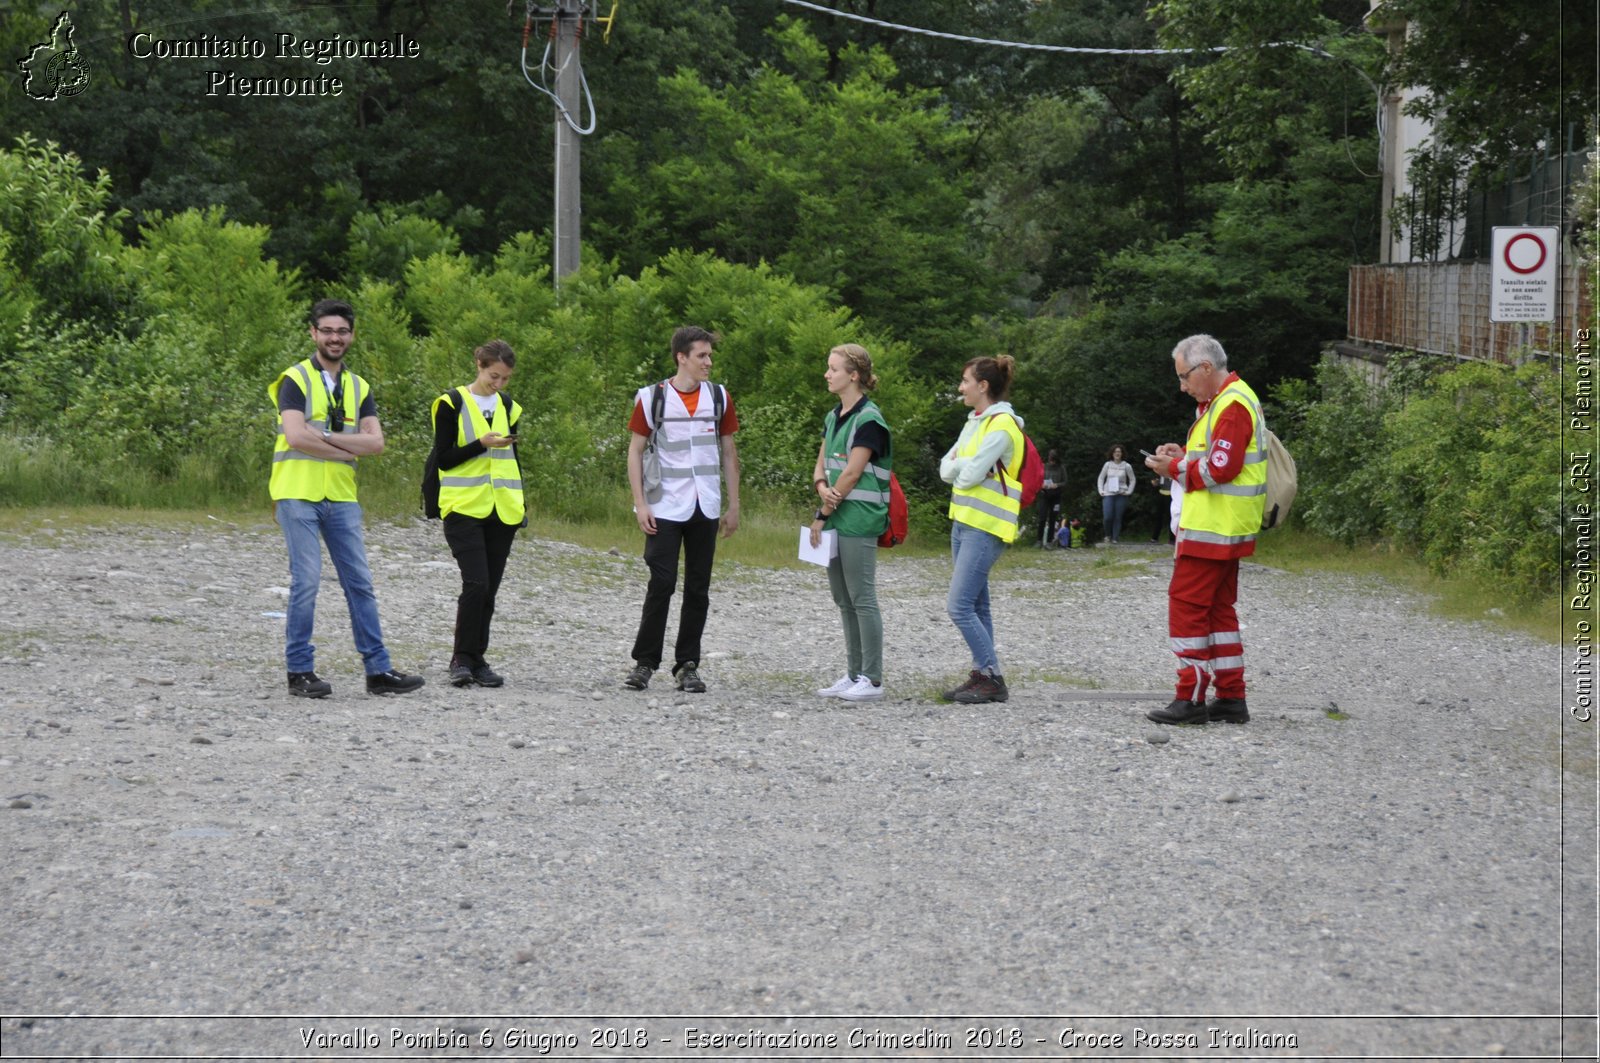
(689, 680)
(393, 682)
(1181, 710)
(986, 689)
(639, 678)
(485, 676)
(950, 695)
(1228, 710)
(307, 685)
(460, 673)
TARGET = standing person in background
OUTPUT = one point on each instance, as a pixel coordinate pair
(1115, 484)
(326, 420)
(697, 426)
(1049, 500)
(986, 508)
(480, 499)
(1222, 474)
(852, 482)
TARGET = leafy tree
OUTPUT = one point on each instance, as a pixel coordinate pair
(852, 186)
(1498, 81)
(211, 280)
(400, 130)
(58, 239)
(1293, 73)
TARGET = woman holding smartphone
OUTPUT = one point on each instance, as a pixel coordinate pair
(480, 499)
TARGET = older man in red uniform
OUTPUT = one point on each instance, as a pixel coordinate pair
(1223, 472)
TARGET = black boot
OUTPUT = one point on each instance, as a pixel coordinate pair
(1181, 710)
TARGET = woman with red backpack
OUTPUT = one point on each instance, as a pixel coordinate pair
(984, 470)
(852, 479)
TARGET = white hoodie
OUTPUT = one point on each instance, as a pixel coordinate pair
(995, 449)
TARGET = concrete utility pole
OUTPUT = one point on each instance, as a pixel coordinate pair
(568, 16)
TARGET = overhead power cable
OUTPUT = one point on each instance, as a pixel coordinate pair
(1315, 49)
(1028, 46)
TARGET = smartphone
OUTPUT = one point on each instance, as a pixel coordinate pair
(1146, 453)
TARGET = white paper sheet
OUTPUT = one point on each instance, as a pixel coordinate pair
(823, 552)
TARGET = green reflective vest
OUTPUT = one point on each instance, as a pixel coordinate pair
(865, 510)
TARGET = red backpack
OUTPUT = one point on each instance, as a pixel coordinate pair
(899, 515)
(1030, 478)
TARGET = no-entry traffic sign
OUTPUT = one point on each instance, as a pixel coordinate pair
(1522, 274)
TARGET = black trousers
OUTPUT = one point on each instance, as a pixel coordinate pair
(481, 546)
(1163, 520)
(1049, 506)
(697, 538)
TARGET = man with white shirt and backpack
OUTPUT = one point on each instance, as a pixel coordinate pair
(679, 450)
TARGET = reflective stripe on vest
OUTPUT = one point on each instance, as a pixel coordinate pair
(992, 505)
(690, 450)
(486, 483)
(865, 510)
(1226, 514)
(296, 474)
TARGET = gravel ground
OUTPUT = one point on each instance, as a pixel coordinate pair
(1372, 866)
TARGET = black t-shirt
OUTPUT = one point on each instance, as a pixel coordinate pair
(869, 434)
(290, 397)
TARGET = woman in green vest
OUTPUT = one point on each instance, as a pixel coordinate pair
(480, 499)
(852, 481)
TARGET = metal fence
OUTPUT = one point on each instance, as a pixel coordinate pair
(1446, 218)
(1443, 308)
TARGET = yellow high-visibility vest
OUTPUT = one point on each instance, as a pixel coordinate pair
(1226, 514)
(992, 505)
(490, 482)
(296, 474)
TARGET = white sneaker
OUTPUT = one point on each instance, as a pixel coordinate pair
(863, 690)
(837, 690)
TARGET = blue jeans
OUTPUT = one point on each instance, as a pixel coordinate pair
(339, 525)
(975, 552)
(1112, 507)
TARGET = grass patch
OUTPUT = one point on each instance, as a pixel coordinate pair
(1335, 714)
(19, 522)
(1459, 597)
(1065, 679)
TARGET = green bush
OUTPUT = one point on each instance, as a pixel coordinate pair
(1475, 453)
(1341, 456)
(1453, 461)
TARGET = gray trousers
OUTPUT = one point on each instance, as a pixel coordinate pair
(853, 578)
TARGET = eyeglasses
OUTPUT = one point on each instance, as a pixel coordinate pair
(329, 333)
(1184, 376)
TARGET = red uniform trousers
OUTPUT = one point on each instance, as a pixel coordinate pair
(1204, 626)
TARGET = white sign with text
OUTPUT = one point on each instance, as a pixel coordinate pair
(1522, 274)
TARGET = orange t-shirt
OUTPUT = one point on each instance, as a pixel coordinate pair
(691, 401)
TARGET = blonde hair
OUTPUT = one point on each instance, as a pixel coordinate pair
(858, 361)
